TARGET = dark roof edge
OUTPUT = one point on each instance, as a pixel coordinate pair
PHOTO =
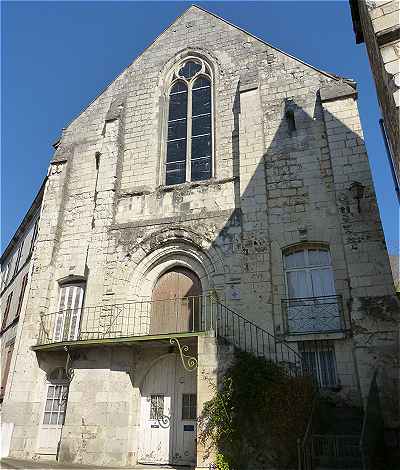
(25, 221)
(330, 75)
(355, 16)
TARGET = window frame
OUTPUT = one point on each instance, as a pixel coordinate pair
(61, 313)
(308, 268)
(7, 311)
(174, 77)
(9, 350)
(320, 373)
(22, 294)
(190, 407)
(61, 381)
(19, 255)
(154, 411)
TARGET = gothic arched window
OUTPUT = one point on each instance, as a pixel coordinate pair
(189, 140)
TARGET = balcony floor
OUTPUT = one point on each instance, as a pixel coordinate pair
(151, 340)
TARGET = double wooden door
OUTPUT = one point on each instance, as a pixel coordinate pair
(176, 302)
(168, 412)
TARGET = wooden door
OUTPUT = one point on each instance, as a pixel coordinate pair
(176, 302)
(156, 425)
(168, 414)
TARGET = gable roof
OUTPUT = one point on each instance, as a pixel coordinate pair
(194, 6)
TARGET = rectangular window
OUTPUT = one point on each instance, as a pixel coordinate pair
(6, 311)
(21, 294)
(6, 368)
(319, 360)
(56, 402)
(5, 276)
(34, 236)
(156, 406)
(16, 267)
(189, 404)
(69, 312)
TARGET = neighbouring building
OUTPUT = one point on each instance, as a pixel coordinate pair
(216, 195)
(15, 279)
(377, 24)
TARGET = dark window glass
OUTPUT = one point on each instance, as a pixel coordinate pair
(201, 169)
(201, 82)
(176, 173)
(189, 406)
(201, 101)
(201, 146)
(291, 121)
(178, 86)
(176, 151)
(177, 129)
(201, 125)
(177, 106)
(190, 69)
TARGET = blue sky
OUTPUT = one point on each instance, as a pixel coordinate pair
(58, 56)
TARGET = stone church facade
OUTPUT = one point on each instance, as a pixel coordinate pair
(217, 189)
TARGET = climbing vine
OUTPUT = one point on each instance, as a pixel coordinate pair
(256, 415)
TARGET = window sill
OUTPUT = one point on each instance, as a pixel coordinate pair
(194, 184)
(296, 337)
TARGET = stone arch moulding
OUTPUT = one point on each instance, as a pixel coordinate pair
(168, 69)
(169, 249)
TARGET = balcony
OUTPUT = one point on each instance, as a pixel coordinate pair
(116, 323)
(158, 322)
(313, 315)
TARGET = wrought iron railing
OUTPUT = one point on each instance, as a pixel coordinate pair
(249, 337)
(186, 315)
(304, 445)
(313, 315)
(373, 426)
(339, 451)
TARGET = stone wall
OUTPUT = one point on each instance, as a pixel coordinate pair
(380, 27)
(108, 218)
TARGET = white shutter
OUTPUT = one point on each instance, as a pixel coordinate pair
(66, 326)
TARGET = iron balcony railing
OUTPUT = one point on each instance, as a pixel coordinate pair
(147, 318)
(313, 315)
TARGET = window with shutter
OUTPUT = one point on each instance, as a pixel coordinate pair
(68, 317)
(6, 368)
(21, 294)
(6, 311)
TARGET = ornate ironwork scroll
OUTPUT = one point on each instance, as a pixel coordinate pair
(189, 362)
(163, 421)
(68, 364)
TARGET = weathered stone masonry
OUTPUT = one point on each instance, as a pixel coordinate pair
(108, 218)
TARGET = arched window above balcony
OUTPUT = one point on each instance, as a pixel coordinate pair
(189, 146)
(312, 305)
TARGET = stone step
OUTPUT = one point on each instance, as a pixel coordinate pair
(16, 464)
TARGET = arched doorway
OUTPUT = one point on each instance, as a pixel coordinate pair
(176, 302)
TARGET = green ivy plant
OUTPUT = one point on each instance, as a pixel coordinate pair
(256, 415)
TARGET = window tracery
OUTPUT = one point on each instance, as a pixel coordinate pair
(190, 137)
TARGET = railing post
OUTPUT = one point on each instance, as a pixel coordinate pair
(299, 454)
